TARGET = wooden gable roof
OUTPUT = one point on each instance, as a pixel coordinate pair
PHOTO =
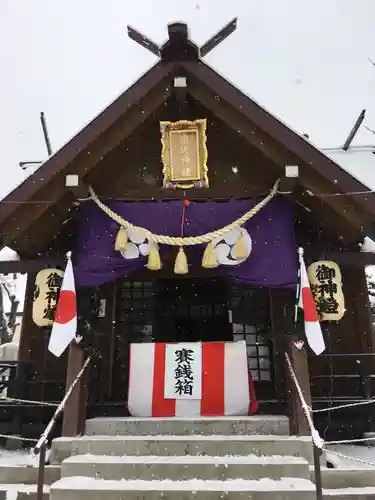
(322, 179)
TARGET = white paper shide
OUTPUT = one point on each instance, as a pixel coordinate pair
(183, 371)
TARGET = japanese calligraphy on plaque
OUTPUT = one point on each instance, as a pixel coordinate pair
(184, 154)
(326, 286)
(47, 287)
(183, 371)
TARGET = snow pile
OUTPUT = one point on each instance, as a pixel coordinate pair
(357, 161)
(18, 457)
(368, 245)
(366, 453)
(8, 254)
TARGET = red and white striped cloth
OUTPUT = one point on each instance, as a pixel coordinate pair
(227, 387)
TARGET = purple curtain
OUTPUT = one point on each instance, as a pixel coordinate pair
(272, 262)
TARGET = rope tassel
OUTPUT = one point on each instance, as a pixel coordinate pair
(209, 260)
(240, 250)
(181, 263)
(121, 240)
(154, 262)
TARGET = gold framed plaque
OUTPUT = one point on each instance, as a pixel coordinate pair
(184, 154)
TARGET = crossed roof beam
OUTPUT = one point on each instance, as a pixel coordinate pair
(180, 31)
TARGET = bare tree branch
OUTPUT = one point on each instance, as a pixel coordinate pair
(7, 323)
(369, 129)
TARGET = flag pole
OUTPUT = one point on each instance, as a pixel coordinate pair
(298, 288)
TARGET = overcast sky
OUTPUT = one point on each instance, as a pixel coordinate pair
(305, 60)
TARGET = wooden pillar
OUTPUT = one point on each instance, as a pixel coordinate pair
(72, 416)
(282, 311)
(297, 418)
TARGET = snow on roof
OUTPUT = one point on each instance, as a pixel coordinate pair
(8, 254)
(358, 161)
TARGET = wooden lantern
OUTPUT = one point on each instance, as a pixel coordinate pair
(184, 154)
(326, 286)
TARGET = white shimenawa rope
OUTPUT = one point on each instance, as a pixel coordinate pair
(184, 241)
(317, 440)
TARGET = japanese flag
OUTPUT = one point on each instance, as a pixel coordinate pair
(65, 323)
(313, 330)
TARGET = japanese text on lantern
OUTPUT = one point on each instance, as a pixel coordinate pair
(326, 286)
(183, 369)
(47, 287)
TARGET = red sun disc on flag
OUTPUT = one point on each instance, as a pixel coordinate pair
(66, 307)
(309, 307)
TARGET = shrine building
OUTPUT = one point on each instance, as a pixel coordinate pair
(184, 204)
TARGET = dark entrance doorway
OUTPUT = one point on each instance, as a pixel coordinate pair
(188, 309)
(192, 310)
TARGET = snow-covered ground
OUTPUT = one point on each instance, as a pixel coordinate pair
(18, 457)
(365, 453)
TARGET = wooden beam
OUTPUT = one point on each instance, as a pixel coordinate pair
(354, 130)
(46, 197)
(298, 358)
(348, 259)
(73, 409)
(28, 266)
(212, 193)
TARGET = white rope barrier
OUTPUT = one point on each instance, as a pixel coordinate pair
(349, 405)
(355, 459)
(19, 438)
(350, 441)
(28, 401)
(317, 440)
(43, 438)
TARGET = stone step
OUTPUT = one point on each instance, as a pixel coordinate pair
(350, 494)
(65, 447)
(83, 488)
(257, 424)
(27, 474)
(21, 492)
(345, 478)
(185, 467)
